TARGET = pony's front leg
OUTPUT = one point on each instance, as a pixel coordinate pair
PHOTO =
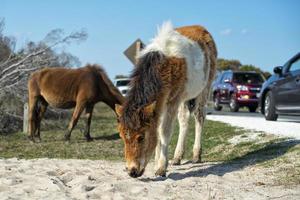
(88, 115)
(165, 135)
(157, 154)
(183, 119)
(76, 114)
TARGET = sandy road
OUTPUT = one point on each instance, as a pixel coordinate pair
(286, 126)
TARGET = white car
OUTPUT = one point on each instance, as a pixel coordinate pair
(123, 85)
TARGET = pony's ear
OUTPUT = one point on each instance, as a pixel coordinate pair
(149, 109)
(119, 109)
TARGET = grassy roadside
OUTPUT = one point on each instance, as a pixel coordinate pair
(218, 145)
(107, 144)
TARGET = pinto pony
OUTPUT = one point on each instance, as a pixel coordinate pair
(68, 88)
(173, 76)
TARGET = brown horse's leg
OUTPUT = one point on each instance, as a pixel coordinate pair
(32, 116)
(76, 114)
(41, 112)
(88, 114)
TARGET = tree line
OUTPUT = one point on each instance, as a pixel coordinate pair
(236, 65)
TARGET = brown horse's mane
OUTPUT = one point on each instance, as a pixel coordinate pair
(145, 85)
(102, 73)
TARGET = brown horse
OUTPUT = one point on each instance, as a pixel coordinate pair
(66, 88)
(173, 76)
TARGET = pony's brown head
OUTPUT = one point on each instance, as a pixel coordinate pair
(139, 137)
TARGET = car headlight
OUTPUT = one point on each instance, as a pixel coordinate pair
(242, 88)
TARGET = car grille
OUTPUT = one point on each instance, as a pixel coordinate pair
(254, 90)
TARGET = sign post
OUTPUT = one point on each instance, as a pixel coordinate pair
(133, 50)
(25, 118)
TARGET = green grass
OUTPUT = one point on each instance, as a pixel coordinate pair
(108, 145)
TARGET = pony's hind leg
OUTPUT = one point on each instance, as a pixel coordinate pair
(32, 116)
(41, 111)
(76, 114)
(183, 119)
(88, 114)
(199, 115)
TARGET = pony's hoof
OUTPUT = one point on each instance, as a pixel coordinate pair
(161, 172)
(31, 140)
(176, 161)
(90, 139)
(38, 140)
(196, 160)
(67, 138)
(67, 142)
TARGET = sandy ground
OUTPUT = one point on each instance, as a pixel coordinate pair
(282, 127)
(86, 179)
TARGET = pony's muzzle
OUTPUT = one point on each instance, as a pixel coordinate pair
(134, 172)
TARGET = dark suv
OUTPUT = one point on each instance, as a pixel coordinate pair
(237, 89)
(280, 94)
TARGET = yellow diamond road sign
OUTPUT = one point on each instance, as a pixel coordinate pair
(132, 51)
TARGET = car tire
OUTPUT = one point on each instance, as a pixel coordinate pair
(252, 109)
(217, 106)
(233, 105)
(269, 107)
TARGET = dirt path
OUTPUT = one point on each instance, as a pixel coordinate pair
(86, 179)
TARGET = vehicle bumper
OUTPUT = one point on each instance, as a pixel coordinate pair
(247, 99)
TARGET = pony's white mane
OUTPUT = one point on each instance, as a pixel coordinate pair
(169, 42)
(160, 42)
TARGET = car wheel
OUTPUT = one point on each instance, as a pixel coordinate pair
(269, 107)
(217, 106)
(252, 109)
(233, 105)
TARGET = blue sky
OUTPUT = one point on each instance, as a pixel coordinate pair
(265, 33)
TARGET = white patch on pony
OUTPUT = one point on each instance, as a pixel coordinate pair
(142, 162)
(173, 44)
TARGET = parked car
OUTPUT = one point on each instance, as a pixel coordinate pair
(237, 89)
(280, 94)
(123, 85)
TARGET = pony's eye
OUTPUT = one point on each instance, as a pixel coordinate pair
(140, 139)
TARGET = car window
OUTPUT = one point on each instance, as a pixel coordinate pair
(295, 66)
(218, 78)
(225, 76)
(248, 78)
(122, 83)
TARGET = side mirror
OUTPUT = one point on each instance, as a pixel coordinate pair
(278, 70)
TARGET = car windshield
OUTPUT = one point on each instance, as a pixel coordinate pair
(248, 78)
(122, 83)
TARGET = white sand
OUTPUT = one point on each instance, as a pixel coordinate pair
(86, 179)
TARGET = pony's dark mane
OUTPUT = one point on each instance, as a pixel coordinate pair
(101, 72)
(144, 87)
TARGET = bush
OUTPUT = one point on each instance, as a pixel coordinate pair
(9, 123)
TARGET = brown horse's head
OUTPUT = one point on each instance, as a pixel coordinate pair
(140, 137)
